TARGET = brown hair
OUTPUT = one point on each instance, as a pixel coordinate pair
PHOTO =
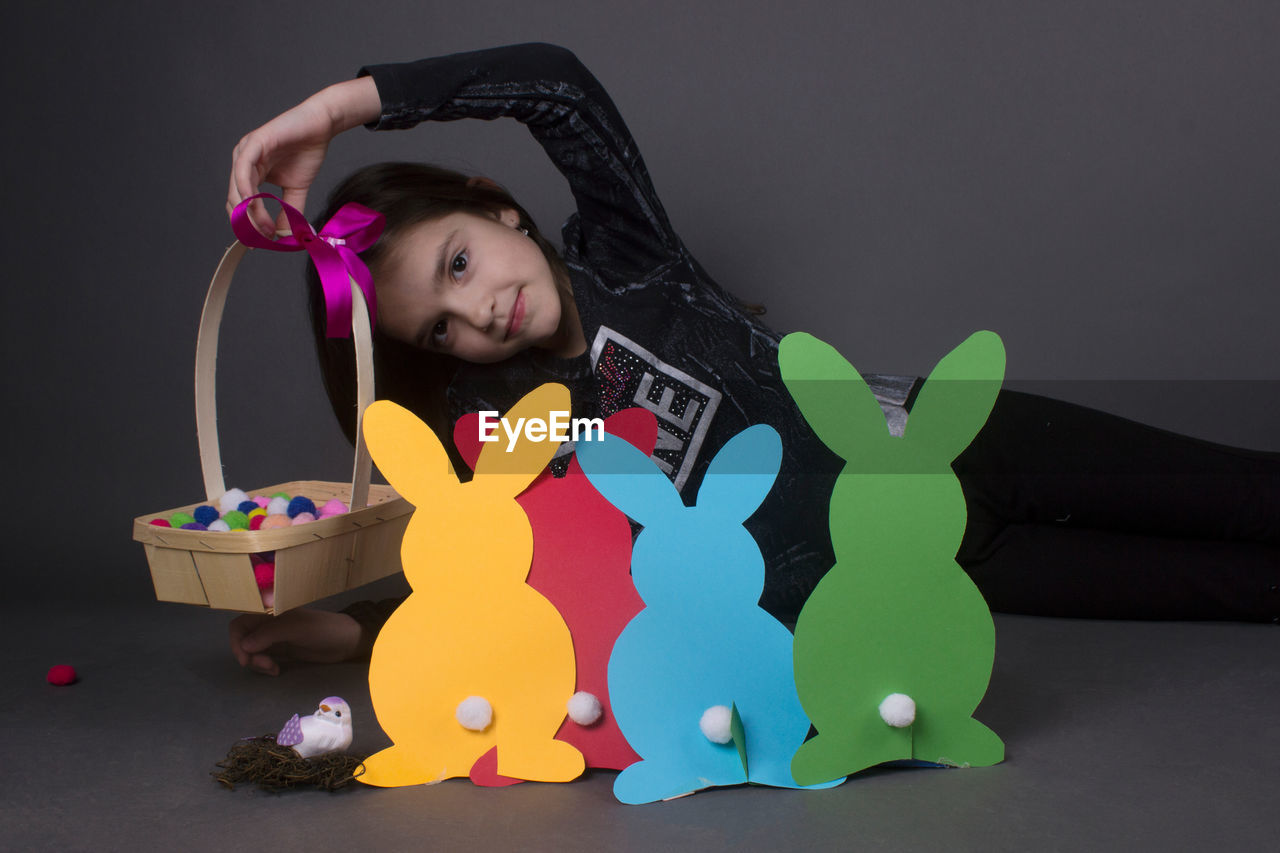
(407, 194)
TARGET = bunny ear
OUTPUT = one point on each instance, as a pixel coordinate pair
(519, 464)
(831, 394)
(957, 397)
(638, 426)
(628, 479)
(407, 452)
(466, 437)
(742, 473)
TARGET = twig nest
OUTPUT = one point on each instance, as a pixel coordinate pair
(273, 767)
(716, 724)
(584, 708)
(475, 713)
(898, 710)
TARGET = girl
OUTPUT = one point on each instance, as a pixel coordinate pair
(1071, 512)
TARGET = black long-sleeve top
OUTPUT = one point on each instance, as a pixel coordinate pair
(661, 333)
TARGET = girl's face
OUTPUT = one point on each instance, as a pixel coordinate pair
(470, 286)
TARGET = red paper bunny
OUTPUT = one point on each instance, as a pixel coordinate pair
(582, 565)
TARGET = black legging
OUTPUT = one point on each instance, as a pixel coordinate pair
(1075, 512)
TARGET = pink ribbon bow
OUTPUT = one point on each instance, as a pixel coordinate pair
(352, 229)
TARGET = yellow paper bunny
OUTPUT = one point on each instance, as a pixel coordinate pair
(474, 657)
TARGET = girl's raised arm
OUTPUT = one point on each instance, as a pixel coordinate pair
(288, 150)
(571, 116)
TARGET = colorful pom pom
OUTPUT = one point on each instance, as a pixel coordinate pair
(264, 574)
(205, 514)
(236, 520)
(333, 507)
(301, 504)
(61, 675)
(231, 500)
(257, 513)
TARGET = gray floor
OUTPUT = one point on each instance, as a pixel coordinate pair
(1120, 736)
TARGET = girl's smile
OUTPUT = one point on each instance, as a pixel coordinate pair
(476, 288)
(517, 315)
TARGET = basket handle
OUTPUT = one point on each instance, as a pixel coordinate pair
(206, 384)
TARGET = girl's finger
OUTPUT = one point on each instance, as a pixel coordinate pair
(295, 197)
(264, 664)
(245, 177)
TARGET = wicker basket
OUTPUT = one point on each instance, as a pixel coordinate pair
(312, 560)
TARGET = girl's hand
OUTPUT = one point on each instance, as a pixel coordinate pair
(314, 636)
(288, 150)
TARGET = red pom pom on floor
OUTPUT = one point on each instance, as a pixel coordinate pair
(61, 675)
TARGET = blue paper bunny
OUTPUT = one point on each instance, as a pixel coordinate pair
(702, 640)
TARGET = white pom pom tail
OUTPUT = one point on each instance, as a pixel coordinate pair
(475, 713)
(898, 710)
(584, 708)
(219, 526)
(716, 724)
(277, 506)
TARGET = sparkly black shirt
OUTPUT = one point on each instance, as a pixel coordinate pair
(661, 333)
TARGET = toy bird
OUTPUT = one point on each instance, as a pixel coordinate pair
(327, 730)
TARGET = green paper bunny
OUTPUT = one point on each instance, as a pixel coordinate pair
(893, 650)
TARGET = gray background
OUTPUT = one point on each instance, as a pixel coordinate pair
(1096, 181)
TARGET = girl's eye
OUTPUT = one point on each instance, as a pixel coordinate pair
(440, 333)
(459, 264)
